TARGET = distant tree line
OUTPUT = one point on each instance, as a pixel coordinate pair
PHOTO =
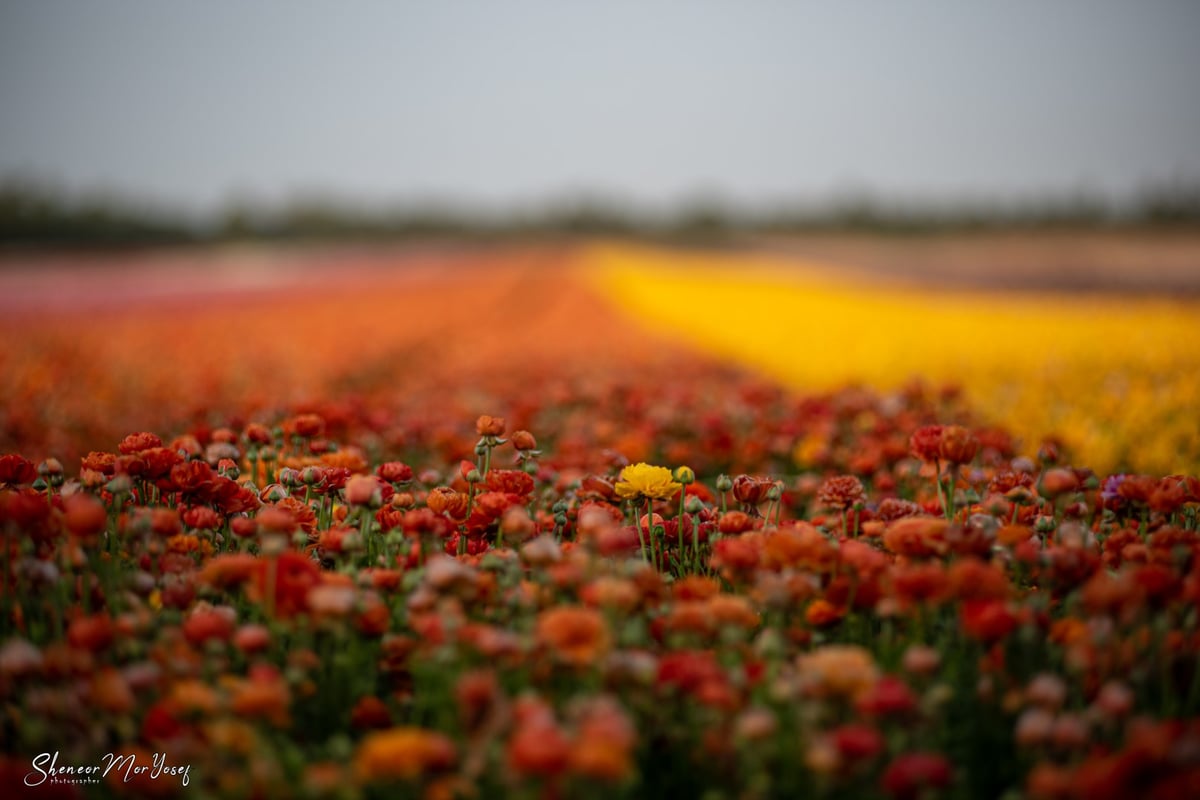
(32, 214)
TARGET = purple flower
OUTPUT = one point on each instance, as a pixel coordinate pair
(1111, 487)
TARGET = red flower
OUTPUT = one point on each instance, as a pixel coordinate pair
(422, 521)
(283, 582)
(137, 442)
(926, 443)
(84, 516)
(257, 434)
(230, 497)
(201, 517)
(158, 462)
(16, 470)
(510, 481)
(395, 472)
(92, 633)
(858, 742)
(958, 445)
(209, 624)
(306, 426)
(370, 713)
(690, 670)
(890, 696)
(842, 492)
(193, 478)
(538, 746)
(987, 620)
(909, 775)
(751, 491)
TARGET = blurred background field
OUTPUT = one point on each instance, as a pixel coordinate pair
(180, 336)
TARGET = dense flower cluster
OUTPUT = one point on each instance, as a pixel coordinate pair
(336, 603)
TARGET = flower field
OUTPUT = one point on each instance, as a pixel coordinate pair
(1116, 378)
(556, 522)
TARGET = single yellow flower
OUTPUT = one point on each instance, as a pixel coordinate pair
(644, 480)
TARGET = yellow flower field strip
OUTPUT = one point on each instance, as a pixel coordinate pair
(1118, 377)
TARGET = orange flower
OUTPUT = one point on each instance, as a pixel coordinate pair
(523, 440)
(110, 691)
(1013, 535)
(604, 742)
(842, 670)
(575, 635)
(800, 545)
(916, 537)
(405, 754)
(264, 696)
(728, 609)
(688, 617)
(444, 500)
(228, 569)
(821, 613)
(302, 515)
(490, 426)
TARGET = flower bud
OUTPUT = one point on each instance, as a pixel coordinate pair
(685, 475)
(121, 484)
(523, 441)
(490, 426)
(51, 470)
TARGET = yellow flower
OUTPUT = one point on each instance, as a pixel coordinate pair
(644, 480)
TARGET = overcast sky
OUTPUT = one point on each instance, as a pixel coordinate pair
(502, 102)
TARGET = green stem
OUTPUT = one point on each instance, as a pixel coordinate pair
(937, 481)
(679, 527)
(364, 528)
(637, 524)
